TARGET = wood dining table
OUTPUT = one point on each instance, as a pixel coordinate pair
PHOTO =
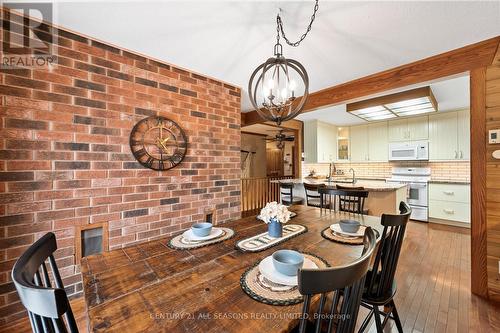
(150, 287)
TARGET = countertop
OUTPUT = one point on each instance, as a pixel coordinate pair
(369, 185)
(449, 181)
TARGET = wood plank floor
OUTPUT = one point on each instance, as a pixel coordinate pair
(433, 286)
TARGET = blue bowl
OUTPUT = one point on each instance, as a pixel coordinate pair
(288, 262)
(201, 229)
(351, 226)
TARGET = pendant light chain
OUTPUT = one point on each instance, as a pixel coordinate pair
(280, 29)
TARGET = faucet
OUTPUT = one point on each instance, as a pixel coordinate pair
(332, 166)
(353, 175)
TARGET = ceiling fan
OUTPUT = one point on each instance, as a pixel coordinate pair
(280, 138)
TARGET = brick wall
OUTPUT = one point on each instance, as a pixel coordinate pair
(66, 161)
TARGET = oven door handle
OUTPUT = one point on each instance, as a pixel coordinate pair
(417, 185)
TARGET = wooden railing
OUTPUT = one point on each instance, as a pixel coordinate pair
(256, 192)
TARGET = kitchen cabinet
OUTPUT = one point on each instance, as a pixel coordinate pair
(369, 142)
(409, 129)
(463, 134)
(359, 143)
(320, 142)
(449, 136)
(378, 142)
(449, 202)
(343, 144)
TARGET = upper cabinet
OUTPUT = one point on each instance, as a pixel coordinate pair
(408, 129)
(463, 140)
(343, 144)
(449, 136)
(369, 143)
(320, 142)
(359, 143)
(377, 142)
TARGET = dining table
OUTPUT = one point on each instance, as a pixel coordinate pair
(151, 287)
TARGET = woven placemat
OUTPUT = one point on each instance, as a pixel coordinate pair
(330, 235)
(262, 290)
(180, 243)
(262, 241)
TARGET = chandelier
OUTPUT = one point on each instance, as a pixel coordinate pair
(274, 84)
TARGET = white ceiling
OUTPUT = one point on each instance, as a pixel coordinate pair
(227, 40)
(450, 94)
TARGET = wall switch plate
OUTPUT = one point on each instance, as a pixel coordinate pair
(494, 136)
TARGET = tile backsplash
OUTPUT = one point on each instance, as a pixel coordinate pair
(439, 170)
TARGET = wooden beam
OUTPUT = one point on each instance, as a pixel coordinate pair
(479, 274)
(445, 64)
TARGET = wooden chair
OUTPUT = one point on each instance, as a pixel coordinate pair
(312, 194)
(346, 285)
(352, 201)
(380, 286)
(287, 198)
(46, 305)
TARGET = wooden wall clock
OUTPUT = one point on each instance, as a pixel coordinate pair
(158, 143)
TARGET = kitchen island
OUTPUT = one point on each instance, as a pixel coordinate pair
(382, 197)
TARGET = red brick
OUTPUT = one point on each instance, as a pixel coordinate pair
(82, 126)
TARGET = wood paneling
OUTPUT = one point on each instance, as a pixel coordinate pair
(445, 64)
(479, 277)
(491, 87)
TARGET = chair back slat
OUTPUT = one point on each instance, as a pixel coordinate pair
(312, 193)
(347, 200)
(346, 280)
(286, 191)
(386, 259)
(46, 305)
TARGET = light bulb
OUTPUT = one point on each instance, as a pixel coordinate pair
(292, 85)
(270, 83)
(284, 93)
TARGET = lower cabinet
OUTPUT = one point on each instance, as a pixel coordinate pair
(449, 202)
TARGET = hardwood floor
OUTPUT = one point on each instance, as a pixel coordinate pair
(433, 286)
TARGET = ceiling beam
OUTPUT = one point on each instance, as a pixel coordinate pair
(442, 65)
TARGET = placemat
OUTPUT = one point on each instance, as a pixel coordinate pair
(262, 290)
(262, 241)
(180, 243)
(330, 235)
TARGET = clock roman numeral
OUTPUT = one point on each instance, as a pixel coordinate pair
(140, 153)
(149, 161)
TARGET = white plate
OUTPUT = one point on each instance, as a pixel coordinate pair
(336, 228)
(267, 269)
(189, 235)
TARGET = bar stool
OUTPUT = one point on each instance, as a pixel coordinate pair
(312, 194)
(287, 198)
(352, 201)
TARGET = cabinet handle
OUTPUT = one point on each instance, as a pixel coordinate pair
(461, 154)
(456, 154)
(449, 211)
(449, 192)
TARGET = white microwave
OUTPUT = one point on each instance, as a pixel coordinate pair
(409, 151)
